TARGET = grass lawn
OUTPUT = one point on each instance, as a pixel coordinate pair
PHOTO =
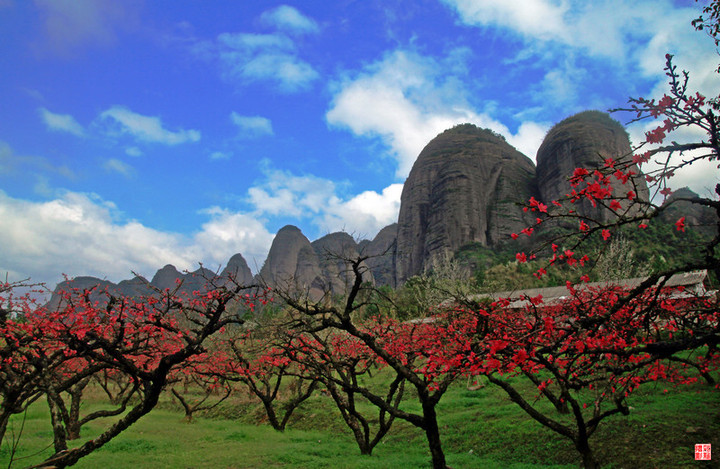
(480, 429)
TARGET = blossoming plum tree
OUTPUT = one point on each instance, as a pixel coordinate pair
(428, 355)
(145, 339)
(610, 340)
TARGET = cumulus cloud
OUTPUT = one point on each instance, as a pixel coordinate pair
(61, 122)
(528, 138)
(145, 128)
(252, 126)
(283, 194)
(287, 18)
(406, 99)
(77, 235)
(537, 18)
(81, 234)
(366, 213)
(640, 36)
(700, 177)
(228, 232)
(250, 58)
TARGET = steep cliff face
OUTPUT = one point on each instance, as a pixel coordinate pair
(583, 140)
(332, 251)
(292, 263)
(381, 252)
(80, 284)
(463, 188)
(167, 277)
(238, 270)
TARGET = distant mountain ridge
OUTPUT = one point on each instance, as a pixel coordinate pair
(467, 186)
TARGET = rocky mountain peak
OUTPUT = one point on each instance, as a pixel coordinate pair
(464, 187)
(166, 277)
(292, 263)
(237, 268)
(583, 140)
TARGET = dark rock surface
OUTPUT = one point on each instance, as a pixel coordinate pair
(167, 277)
(237, 269)
(464, 187)
(333, 252)
(698, 217)
(80, 284)
(381, 255)
(583, 140)
(292, 263)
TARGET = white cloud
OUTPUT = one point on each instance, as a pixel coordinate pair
(640, 36)
(227, 233)
(289, 19)
(700, 177)
(366, 213)
(537, 18)
(118, 166)
(252, 125)
(248, 58)
(61, 122)
(528, 138)
(80, 234)
(283, 194)
(406, 100)
(76, 235)
(146, 128)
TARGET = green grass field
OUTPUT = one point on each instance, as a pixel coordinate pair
(480, 429)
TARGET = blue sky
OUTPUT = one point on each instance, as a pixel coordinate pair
(135, 134)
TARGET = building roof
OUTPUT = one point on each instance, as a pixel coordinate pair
(692, 281)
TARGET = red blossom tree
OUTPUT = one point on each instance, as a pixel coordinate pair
(28, 355)
(252, 358)
(428, 354)
(588, 352)
(342, 362)
(610, 340)
(146, 339)
(199, 374)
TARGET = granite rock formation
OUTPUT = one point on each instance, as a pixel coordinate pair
(167, 277)
(698, 217)
(583, 140)
(333, 252)
(381, 255)
(238, 270)
(292, 264)
(464, 187)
